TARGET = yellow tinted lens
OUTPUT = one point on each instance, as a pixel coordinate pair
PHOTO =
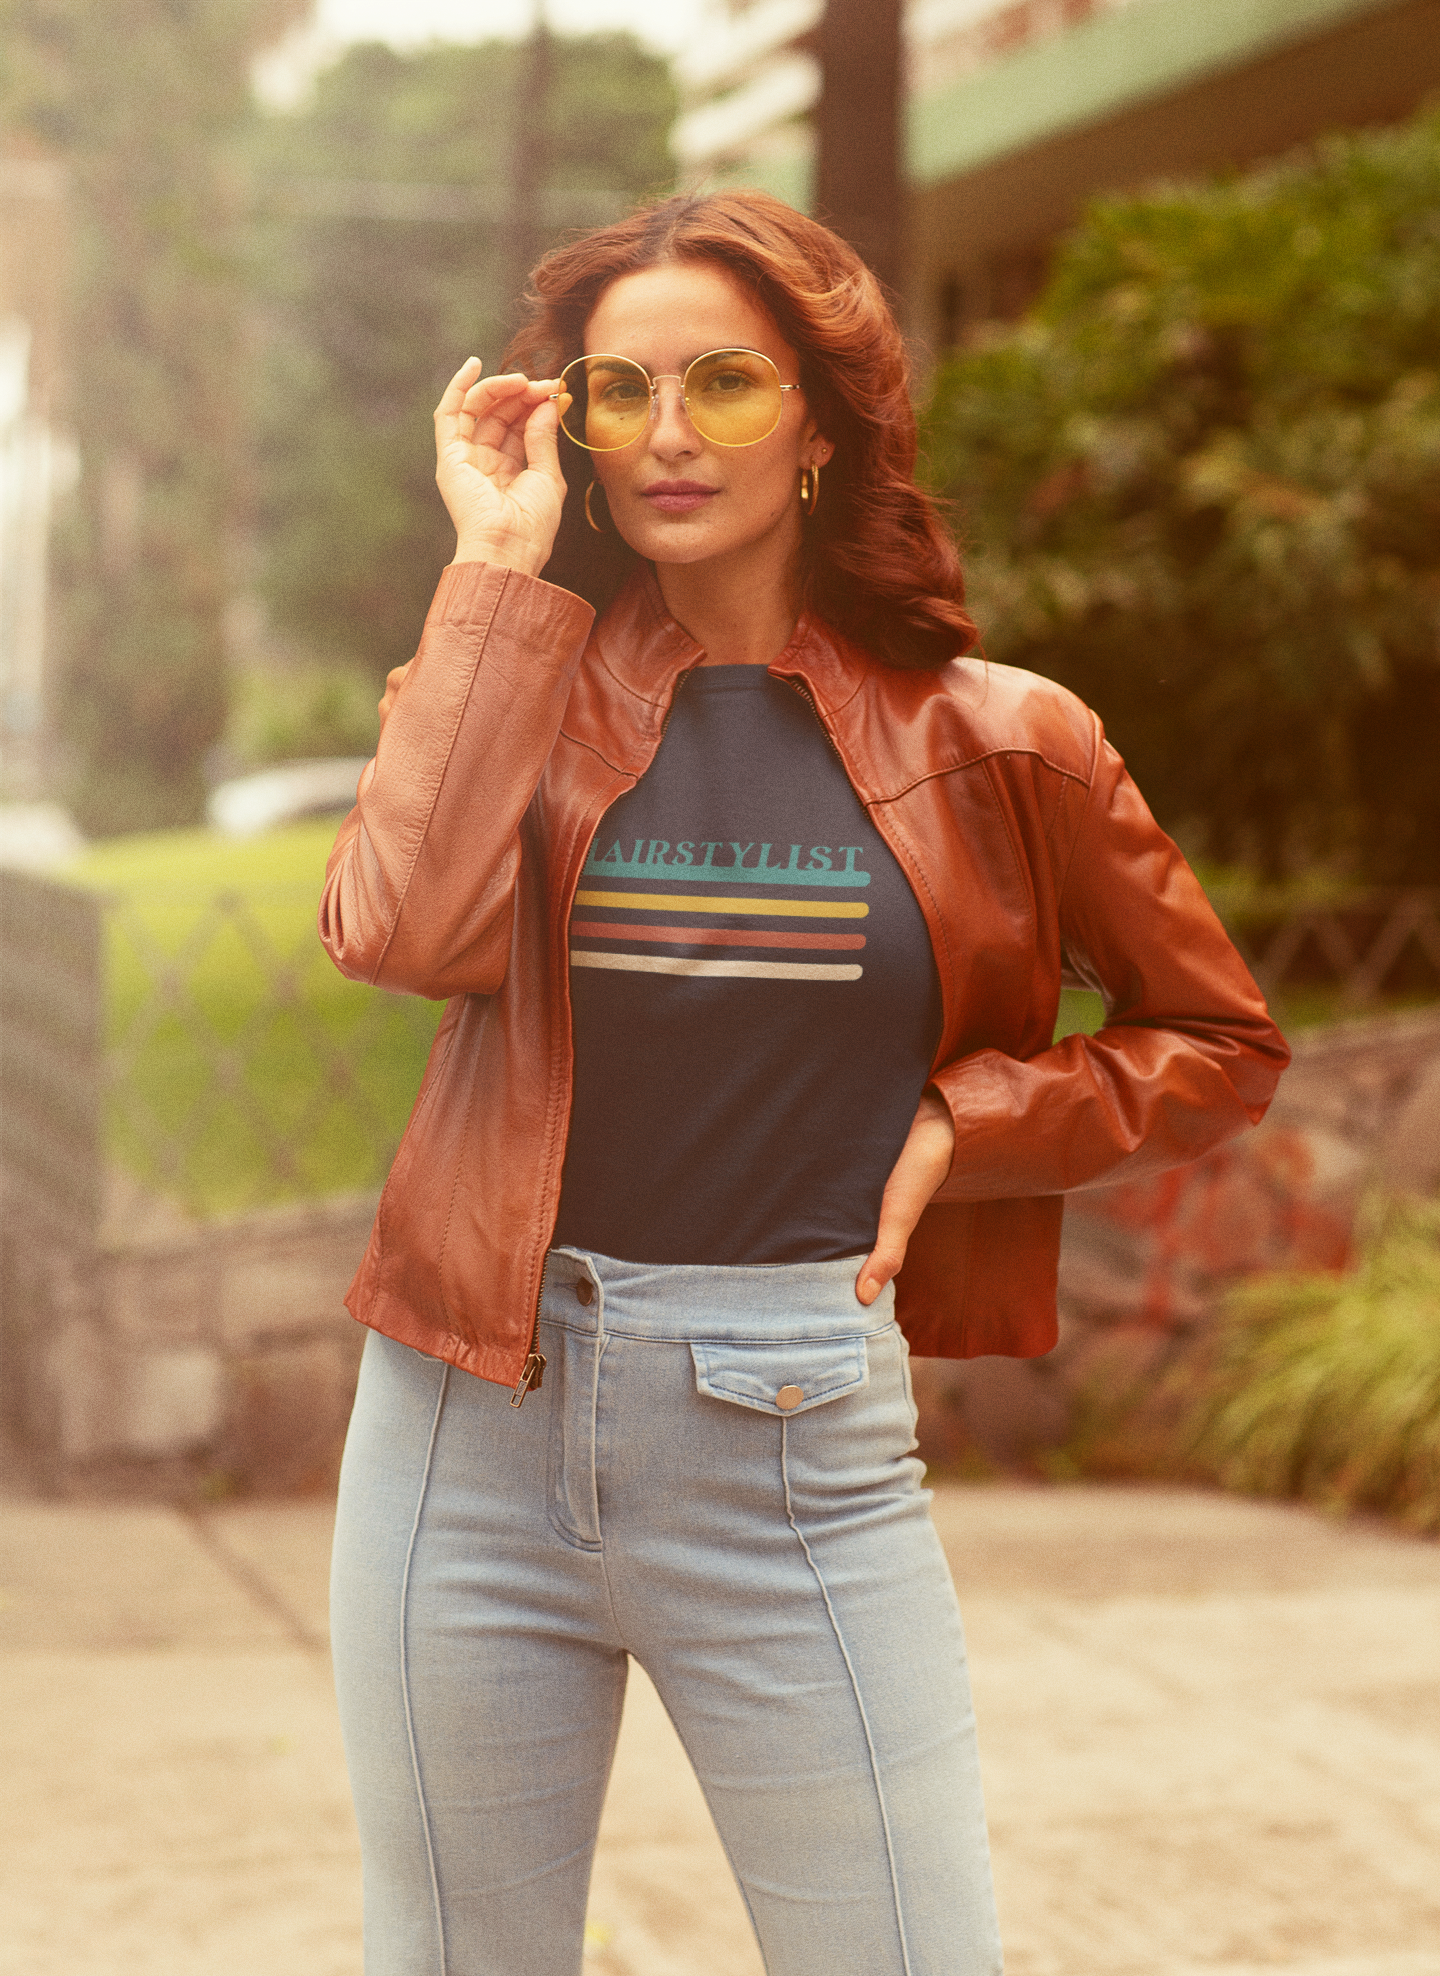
(733, 396)
(611, 402)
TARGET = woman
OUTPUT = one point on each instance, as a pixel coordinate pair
(751, 903)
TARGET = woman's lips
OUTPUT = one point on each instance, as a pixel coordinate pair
(677, 497)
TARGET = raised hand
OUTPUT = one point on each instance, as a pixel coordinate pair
(498, 468)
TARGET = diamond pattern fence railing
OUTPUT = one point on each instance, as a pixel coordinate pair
(227, 1065)
(51, 1051)
(241, 1067)
(1344, 956)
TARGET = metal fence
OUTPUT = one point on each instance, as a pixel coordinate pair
(197, 1042)
(1361, 948)
(52, 1049)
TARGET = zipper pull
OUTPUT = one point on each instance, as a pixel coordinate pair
(532, 1377)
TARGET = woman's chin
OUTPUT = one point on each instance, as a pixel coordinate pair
(674, 539)
(697, 538)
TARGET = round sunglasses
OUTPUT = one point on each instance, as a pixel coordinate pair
(732, 398)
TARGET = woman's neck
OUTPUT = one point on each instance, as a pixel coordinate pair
(743, 616)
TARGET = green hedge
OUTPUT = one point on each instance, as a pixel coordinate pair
(1200, 485)
(1328, 1387)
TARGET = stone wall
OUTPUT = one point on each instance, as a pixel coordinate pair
(224, 1345)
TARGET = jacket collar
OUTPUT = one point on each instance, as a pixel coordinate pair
(640, 652)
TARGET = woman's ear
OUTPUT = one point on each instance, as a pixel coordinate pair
(815, 448)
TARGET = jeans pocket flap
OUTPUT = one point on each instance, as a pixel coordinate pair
(781, 1378)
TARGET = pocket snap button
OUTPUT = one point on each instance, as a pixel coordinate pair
(584, 1290)
(788, 1398)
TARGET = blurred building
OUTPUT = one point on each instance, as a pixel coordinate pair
(32, 231)
(1018, 111)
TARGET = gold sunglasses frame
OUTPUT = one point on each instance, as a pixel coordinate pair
(660, 377)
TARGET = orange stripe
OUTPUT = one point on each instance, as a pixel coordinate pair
(711, 936)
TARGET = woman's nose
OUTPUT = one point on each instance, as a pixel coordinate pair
(670, 428)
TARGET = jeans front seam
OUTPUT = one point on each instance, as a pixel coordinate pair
(859, 1699)
(405, 1670)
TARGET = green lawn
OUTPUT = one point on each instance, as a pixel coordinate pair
(246, 1068)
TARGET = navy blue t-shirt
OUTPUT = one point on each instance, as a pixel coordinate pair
(755, 998)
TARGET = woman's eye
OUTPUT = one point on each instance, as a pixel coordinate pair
(623, 392)
(728, 383)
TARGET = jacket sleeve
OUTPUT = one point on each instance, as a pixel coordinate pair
(420, 884)
(1188, 1055)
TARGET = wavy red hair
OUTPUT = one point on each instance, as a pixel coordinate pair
(876, 557)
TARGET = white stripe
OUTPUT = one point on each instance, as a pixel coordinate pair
(745, 970)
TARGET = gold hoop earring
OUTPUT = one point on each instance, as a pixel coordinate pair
(809, 489)
(589, 514)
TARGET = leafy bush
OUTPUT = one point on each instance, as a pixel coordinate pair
(299, 713)
(1201, 486)
(1329, 1386)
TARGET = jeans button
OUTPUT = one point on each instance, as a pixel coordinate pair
(788, 1398)
(584, 1290)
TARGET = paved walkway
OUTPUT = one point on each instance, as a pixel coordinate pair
(1210, 1728)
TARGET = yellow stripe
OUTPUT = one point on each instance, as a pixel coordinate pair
(664, 902)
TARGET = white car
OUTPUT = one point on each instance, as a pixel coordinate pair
(284, 794)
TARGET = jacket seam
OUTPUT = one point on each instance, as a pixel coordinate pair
(423, 1102)
(1015, 849)
(631, 692)
(618, 768)
(979, 761)
(1089, 786)
(652, 701)
(440, 780)
(450, 1205)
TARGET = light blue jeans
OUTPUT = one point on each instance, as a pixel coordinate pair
(715, 1478)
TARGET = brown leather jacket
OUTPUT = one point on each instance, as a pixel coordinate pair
(1027, 845)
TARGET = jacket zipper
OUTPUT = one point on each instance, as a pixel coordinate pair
(799, 686)
(680, 679)
(532, 1373)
